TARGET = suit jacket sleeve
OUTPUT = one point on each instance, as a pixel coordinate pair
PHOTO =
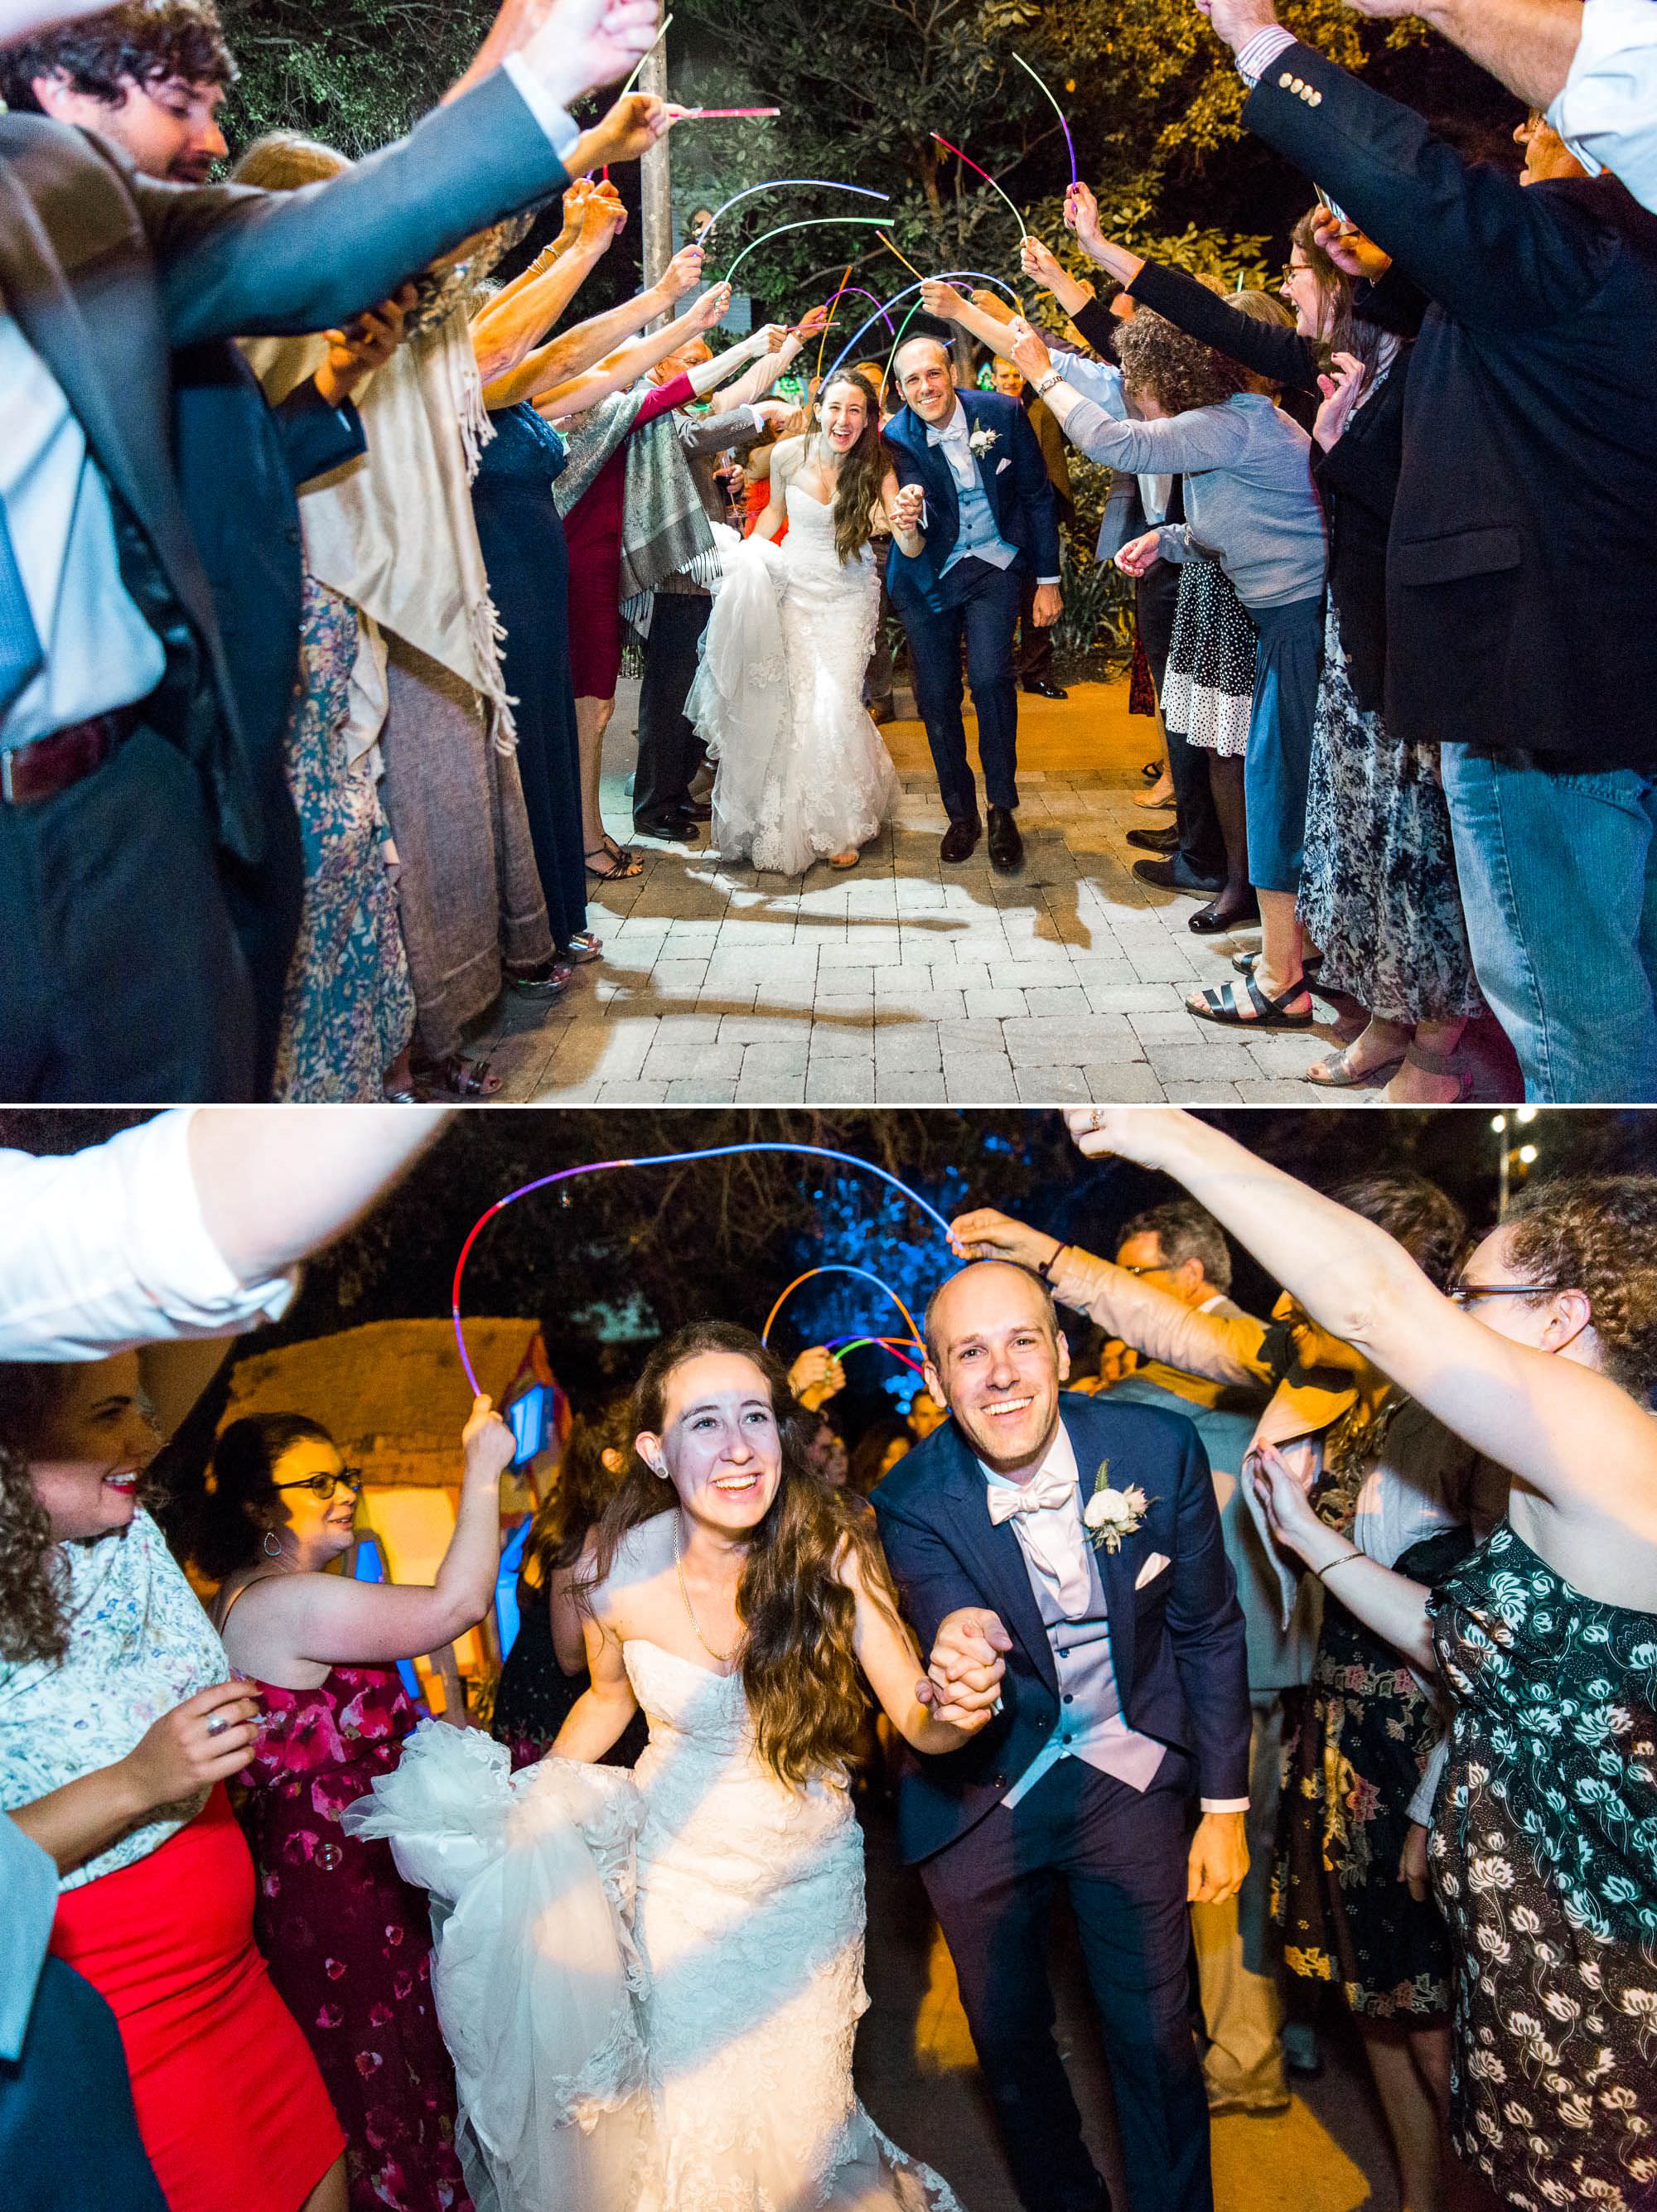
(316, 438)
(1205, 1624)
(931, 1580)
(1488, 249)
(231, 261)
(1234, 1349)
(1191, 307)
(1035, 496)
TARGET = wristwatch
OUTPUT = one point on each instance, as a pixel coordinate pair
(1047, 382)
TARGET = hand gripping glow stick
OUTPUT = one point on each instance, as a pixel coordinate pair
(1058, 111)
(811, 223)
(655, 1160)
(638, 65)
(986, 175)
(773, 184)
(838, 1268)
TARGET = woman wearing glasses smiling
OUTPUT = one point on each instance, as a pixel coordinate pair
(1542, 1356)
(348, 1942)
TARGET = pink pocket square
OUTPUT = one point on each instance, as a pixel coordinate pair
(1153, 1567)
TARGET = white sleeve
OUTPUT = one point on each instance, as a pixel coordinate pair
(1420, 1805)
(1607, 113)
(105, 1249)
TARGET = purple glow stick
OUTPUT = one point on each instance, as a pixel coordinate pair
(655, 1160)
(1075, 175)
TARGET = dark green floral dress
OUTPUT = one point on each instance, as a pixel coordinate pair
(1543, 1852)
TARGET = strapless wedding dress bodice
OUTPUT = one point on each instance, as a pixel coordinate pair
(778, 701)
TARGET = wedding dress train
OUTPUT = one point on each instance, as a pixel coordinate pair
(709, 1922)
(801, 771)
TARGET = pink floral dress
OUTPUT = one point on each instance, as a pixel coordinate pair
(349, 1942)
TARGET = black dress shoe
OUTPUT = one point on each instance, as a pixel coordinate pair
(1156, 840)
(1044, 689)
(1214, 921)
(1006, 846)
(960, 840)
(672, 828)
(1174, 876)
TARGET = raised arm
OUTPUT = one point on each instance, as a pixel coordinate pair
(950, 306)
(1526, 45)
(779, 351)
(560, 359)
(1282, 354)
(1202, 438)
(1567, 1433)
(511, 325)
(328, 1621)
(622, 370)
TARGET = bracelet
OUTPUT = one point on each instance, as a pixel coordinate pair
(1329, 1566)
(1045, 1269)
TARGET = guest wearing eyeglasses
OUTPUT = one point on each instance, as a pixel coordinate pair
(348, 1942)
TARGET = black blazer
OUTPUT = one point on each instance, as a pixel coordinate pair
(1177, 1642)
(1014, 476)
(1521, 564)
(108, 272)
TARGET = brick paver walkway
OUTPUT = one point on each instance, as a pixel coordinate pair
(906, 981)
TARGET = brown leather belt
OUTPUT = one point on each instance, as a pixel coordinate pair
(40, 770)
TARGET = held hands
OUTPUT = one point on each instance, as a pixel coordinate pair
(711, 309)
(488, 1443)
(682, 274)
(1136, 558)
(181, 1754)
(368, 344)
(816, 1376)
(778, 415)
(1218, 1860)
(1341, 395)
(1029, 350)
(943, 300)
(962, 1683)
(906, 508)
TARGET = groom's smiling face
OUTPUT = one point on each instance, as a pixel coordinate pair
(996, 1358)
(924, 379)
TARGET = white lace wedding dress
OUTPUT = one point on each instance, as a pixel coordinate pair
(699, 2059)
(801, 771)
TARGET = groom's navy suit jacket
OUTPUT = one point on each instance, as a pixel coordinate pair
(1013, 474)
(1176, 1642)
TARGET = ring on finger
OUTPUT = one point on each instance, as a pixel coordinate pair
(217, 1724)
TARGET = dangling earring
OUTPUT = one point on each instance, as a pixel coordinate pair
(272, 1545)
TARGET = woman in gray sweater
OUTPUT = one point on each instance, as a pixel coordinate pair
(1251, 506)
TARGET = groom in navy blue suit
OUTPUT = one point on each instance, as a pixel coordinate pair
(1120, 1688)
(974, 515)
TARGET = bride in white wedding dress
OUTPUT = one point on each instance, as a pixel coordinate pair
(801, 773)
(651, 1983)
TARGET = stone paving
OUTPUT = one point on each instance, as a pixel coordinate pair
(905, 982)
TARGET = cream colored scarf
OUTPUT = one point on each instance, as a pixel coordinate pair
(394, 532)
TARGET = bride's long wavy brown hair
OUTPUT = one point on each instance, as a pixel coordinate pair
(862, 471)
(806, 1691)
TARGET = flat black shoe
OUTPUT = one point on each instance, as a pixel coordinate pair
(1006, 846)
(673, 828)
(1174, 876)
(1211, 921)
(1156, 840)
(960, 840)
(1042, 688)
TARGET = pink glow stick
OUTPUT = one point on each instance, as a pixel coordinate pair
(707, 114)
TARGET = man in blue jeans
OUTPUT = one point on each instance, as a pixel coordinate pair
(1521, 567)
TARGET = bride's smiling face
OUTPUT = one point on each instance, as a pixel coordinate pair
(719, 1442)
(845, 416)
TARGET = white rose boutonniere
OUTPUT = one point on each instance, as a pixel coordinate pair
(982, 439)
(1111, 1515)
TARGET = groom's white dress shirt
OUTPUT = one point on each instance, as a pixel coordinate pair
(1046, 1512)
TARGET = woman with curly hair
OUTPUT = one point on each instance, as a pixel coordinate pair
(546, 1669)
(744, 1607)
(802, 775)
(1541, 1356)
(1250, 504)
(119, 1726)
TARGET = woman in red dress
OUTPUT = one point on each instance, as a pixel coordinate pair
(348, 1942)
(118, 1729)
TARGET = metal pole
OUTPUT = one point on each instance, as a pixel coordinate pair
(656, 181)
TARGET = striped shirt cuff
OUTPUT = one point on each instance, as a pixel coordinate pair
(1262, 50)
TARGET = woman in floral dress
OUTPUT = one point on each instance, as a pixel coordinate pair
(1544, 1840)
(348, 1942)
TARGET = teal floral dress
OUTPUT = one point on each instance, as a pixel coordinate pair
(348, 1011)
(1543, 1852)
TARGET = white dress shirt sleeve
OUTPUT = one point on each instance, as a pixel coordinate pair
(104, 1249)
(1607, 113)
